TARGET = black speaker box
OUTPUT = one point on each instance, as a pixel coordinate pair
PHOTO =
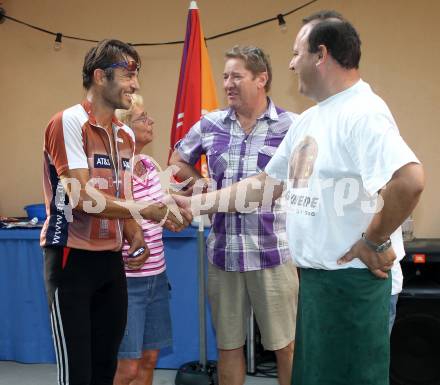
(415, 339)
(415, 343)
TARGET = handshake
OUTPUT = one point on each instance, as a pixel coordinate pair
(176, 210)
(172, 212)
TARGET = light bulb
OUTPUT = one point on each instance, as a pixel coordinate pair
(2, 15)
(58, 42)
(282, 23)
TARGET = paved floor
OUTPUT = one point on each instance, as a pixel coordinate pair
(13, 373)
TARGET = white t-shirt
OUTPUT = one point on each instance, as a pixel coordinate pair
(334, 159)
(397, 276)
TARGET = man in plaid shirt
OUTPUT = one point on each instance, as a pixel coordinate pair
(250, 264)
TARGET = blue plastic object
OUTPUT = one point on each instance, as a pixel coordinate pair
(37, 210)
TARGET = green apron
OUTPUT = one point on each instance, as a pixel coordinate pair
(342, 328)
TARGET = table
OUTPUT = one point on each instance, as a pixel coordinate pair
(25, 334)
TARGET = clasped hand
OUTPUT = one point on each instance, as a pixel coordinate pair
(170, 215)
(378, 263)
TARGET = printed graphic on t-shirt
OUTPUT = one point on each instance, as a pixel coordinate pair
(302, 161)
(299, 196)
(140, 171)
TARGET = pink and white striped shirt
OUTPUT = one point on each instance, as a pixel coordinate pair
(146, 187)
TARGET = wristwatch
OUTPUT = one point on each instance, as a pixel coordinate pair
(377, 248)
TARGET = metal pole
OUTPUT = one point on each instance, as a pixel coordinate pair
(202, 288)
(250, 344)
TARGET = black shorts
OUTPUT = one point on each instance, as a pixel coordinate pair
(87, 296)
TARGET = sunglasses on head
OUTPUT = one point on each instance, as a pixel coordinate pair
(130, 65)
(144, 118)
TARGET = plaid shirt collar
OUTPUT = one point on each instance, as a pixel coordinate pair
(270, 113)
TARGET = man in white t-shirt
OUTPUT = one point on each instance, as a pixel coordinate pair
(349, 181)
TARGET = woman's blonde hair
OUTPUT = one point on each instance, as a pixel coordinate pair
(125, 115)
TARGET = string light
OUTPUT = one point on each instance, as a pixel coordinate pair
(2, 15)
(280, 17)
(282, 23)
(58, 42)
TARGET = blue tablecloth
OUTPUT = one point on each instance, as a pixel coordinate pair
(25, 334)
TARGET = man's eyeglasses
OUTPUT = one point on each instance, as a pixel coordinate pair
(130, 65)
(144, 118)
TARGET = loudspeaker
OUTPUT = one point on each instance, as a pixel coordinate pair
(415, 343)
(415, 339)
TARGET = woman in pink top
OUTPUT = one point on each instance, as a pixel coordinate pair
(148, 322)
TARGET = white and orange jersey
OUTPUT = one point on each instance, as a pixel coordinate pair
(73, 140)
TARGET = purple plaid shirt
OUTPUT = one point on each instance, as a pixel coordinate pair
(239, 241)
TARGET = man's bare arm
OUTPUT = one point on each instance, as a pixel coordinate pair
(400, 197)
(254, 192)
(185, 170)
(85, 197)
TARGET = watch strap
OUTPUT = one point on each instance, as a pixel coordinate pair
(377, 248)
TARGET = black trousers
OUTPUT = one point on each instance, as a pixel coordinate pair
(87, 296)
